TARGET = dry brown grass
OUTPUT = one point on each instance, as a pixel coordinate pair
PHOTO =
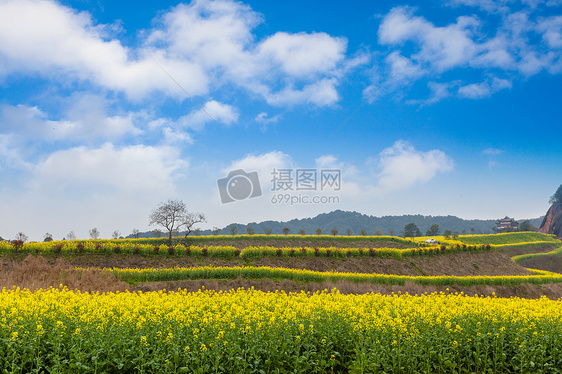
(460, 264)
(35, 272)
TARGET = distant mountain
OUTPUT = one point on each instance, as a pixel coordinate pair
(341, 221)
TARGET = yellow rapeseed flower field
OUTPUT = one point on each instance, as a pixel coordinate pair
(248, 331)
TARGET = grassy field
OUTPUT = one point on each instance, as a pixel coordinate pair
(106, 306)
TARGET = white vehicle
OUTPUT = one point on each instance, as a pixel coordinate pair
(431, 241)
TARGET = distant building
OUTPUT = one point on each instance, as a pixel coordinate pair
(506, 224)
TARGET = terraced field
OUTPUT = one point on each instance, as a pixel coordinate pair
(282, 304)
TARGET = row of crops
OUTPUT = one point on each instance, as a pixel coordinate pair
(225, 251)
(256, 332)
(133, 275)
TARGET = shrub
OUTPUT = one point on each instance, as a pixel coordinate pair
(117, 249)
(17, 244)
(136, 249)
(171, 250)
(58, 248)
(79, 247)
(156, 249)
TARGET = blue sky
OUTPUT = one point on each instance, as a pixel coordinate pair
(456, 110)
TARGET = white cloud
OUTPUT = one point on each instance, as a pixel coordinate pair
(551, 29)
(224, 114)
(492, 6)
(264, 164)
(302, 54)
(492, 151)
(46, 37)
(264, 118)
(85, 120)
(218, 35)
(440, 47)
(202, 45)
(420, 48)
(439, 91)
(133, 169)
(402, 166)
(484, 89)
(321, 93)
(10, 156)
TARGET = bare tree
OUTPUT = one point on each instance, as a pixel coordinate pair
(188, 220)
(286, 230)
(21, 236)
(168, 215)
(157, 233)
(250, 230)
(302, 232)
(348, 232)
(136, 233)
(267, 231)
(94, 233)
(71, 236)
(363, 232)
(334, 231)
(116, 234)
(318, 231)
(233, 230)
(172, 215)
(216, 230)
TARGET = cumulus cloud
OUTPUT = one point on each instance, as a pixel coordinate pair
(283, 68)
(224, 114)
(441, 47)
(86, 119)
(402, 166)
(263, 163)
(321, 93)
(551, 29)
(201, 45)
(265, 119)
(46, 37)
(303, 54)
(10, 156)
(420, 48)
(484, 89)
(134, 169)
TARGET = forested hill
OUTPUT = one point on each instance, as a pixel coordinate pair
(389, 225)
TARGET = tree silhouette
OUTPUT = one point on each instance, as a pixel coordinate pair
(557, 197)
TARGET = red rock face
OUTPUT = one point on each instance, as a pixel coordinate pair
(552, 222)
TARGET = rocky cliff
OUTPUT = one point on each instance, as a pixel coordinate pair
(552, 222)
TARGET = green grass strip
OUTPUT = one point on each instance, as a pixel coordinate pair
(520, 258)
(507, 238)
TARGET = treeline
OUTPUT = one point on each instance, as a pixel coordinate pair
(353, 223)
